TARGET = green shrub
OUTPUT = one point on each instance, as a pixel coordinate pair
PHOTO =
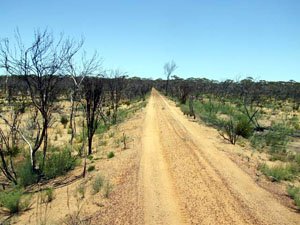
(25, 174)
(244, 128)
(294, 193)
(47, 195)
(257, 141)
(278, 173)
(97, 184)
(110, 155)
(277, 138)
(107, 189)
(64, 120)
(58, 163)
(294, 122)
(297, 158)
(229, 131)
(102, 128)
(81, 190)
(14, 200)
(91, 168)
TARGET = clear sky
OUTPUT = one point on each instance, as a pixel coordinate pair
(213, 39)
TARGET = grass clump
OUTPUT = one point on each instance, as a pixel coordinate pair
(294, 193)
(91, 168)
(14, 201)
(102, 128)
(278, 173)
(102, 143)
(47, 195)
(81, 189)
(110, 155)
(243, 128)
(277, 138)
(111, 134)
(107, 189)
(97, 184)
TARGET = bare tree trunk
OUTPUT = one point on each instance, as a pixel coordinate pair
(71, 121)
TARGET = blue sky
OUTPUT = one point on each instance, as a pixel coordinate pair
(212, 39)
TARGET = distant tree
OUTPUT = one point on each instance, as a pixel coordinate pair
(169, 68)
(116, 85)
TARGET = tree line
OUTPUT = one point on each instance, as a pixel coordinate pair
(42, 74)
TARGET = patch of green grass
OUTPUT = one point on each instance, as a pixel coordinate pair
(80, 190)
(25, 174)
(102, 128)
(107, 189)
(278, 173)
(294, 193)
(91, 168)
(110, 155)
(14, 200)
(277, 138)
(97, 184)
(47, 195)
(102, 142)
(111, 134)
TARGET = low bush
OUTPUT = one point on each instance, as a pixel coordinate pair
(110, 155)
(257, 141)
(244, 128)
(102, 128)
(81, 190)
(97, 184)
(278, 173)
(14, 201)
(107, 189)
(277, 138)
(25, 174)
(91, 168)
(64, 120)
(228, 131)
(58, 163)
(47, 195)
(294, 193)
(11, 200)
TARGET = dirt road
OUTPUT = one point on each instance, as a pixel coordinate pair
(185, 178)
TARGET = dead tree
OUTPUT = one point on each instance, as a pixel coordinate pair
(93, 96)
(116, 85)
(78, 74)
(169, 68)
(41, 66)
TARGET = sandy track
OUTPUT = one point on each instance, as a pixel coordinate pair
(160, 202)
(185, 179)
